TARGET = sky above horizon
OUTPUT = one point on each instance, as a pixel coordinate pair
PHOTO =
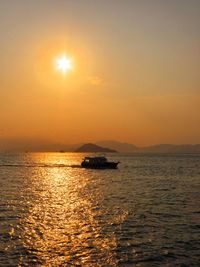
(135, 75)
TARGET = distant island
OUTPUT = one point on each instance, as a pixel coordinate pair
(94, 148)
(109, 146)
(159, 148)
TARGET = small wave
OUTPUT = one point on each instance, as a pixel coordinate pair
(39, 166)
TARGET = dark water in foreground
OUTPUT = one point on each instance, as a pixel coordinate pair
(146, 213)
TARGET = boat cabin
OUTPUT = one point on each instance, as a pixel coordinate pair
(98, 163)
(92, 160)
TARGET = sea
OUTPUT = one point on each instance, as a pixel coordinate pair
(55, 213)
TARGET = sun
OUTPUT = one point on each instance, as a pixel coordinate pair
(63, 63)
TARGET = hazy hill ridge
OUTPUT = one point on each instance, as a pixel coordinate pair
(36, 145)
(94, 148)
(118, 146)
(160, 148)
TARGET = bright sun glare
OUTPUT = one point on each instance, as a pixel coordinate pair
(63, 63)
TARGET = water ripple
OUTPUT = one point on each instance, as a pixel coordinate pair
(54, 213)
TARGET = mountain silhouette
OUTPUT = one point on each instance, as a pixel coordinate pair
(159, 148)
(118, 146)
(39, 145)
(94, 148)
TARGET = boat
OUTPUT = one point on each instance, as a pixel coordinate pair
(98, 163)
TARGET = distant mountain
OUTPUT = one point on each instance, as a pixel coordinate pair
(118, 146)
(33, 145)
(160, 148)
(168, 148)
(94, 148)
(38, 145)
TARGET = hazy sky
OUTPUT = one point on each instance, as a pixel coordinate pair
(136, 74)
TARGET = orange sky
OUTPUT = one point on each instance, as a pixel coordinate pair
(135, 76)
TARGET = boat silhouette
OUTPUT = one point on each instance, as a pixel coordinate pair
(98, 163)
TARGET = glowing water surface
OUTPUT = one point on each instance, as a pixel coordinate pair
(54, 213)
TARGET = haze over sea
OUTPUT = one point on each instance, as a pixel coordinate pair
(54, 213)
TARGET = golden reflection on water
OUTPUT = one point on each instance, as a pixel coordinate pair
(63, 226)
(56, 215)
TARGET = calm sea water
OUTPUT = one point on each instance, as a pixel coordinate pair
(54, 213)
